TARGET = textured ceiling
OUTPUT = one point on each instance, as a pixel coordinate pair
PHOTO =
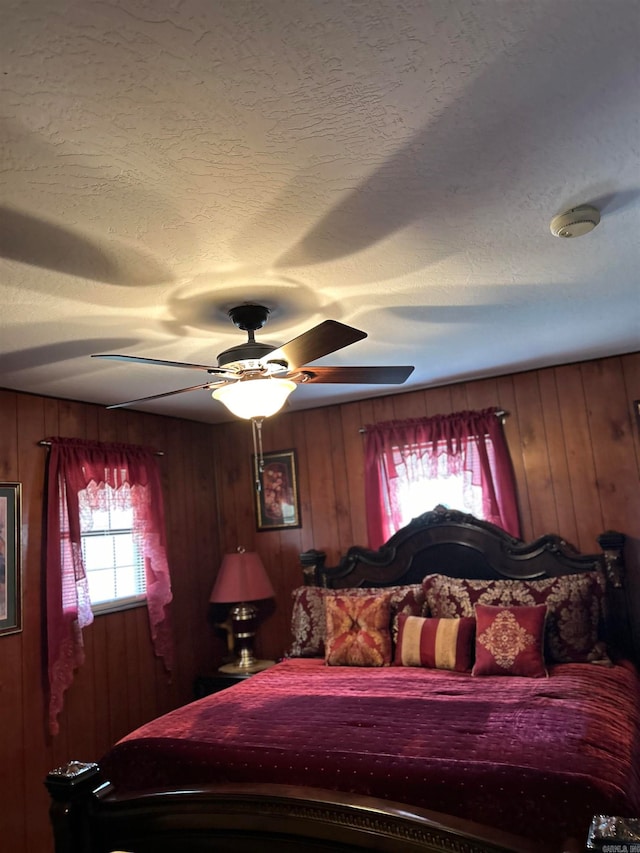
(392, 165)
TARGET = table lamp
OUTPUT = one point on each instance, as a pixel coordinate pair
(242, 580)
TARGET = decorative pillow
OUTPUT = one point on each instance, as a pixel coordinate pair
(435, 643)
(510, 641)
(308, 618)
(575, 605)
(358, 630)
(308, 622)
(408, 599)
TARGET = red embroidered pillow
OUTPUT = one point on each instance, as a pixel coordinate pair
(358, 630)
(575, 608)
(435, 643)
(510, 641)
(309, 622)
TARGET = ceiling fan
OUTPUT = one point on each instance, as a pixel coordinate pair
(253, 380)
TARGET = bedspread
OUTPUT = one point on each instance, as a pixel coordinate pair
(536, 757)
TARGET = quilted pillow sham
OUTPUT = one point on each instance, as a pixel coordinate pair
(435, 643)
(358, 630)
(510, 641)
(308, 618)
(575, 605)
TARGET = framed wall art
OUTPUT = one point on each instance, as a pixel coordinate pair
(10, 559)
(277, 499)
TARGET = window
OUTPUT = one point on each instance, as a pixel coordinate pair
(112, 558)
(105, 540)
(453, 490)
(419, 476)
(461, 460)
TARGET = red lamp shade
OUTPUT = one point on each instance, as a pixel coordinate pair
(242, 577)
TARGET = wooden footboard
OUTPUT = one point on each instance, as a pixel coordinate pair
(88, 817)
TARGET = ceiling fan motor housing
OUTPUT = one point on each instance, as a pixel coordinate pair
(246, 355)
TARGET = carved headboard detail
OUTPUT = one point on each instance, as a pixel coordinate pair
(454, 543)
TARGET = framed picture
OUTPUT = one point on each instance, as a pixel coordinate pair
(10, 565)
(277, 500)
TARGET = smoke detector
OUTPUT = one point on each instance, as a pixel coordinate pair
(575, 222)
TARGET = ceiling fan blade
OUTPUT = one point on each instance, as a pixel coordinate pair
(391, 375)
(167, 394)
(323, 339)
(158, 361)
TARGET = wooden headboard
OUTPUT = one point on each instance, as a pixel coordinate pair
(457, 544)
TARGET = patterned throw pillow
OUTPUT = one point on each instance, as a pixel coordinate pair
(510, 641)
(308, 618)
(435, 643)
(308, 622)
(404, 599)
(574, 604)
(358, 630)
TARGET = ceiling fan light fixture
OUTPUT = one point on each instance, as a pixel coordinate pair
(254, 398)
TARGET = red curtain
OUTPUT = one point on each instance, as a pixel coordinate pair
(76, 465)
(471, 442)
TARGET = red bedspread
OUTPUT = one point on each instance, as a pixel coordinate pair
(537, 757)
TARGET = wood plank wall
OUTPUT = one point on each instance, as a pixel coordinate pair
(574, 441)
(121, 684)
(575, 446)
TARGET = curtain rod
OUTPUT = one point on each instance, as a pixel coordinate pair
(44, 443)
(499, 414)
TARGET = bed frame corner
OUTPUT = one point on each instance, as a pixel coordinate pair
(70, 788)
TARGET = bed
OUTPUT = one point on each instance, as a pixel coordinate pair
(388, 726)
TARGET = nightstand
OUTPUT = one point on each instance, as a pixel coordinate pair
(204, 685)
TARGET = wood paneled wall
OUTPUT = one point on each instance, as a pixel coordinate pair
(575, 446)
(121, 685)
(574, 441)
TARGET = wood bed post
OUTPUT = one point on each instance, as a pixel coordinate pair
(612, 544)
(70, 788)
(622, 616)
(312, 563)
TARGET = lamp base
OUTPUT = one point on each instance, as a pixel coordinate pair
(248, 669)
(243, 620)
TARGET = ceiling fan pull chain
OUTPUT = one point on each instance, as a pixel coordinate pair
(256, 428)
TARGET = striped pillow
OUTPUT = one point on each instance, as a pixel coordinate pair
(435, 643)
